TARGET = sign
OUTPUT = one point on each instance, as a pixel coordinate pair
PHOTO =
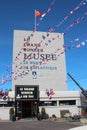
(23, 92)
(39, 59)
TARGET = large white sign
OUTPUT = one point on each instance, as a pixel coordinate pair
(39, 59)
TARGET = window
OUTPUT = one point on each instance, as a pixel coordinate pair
(67, 102)
(48, 103)
(6, 104)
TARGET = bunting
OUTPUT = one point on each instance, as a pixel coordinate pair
(18, 72)
(50, 93)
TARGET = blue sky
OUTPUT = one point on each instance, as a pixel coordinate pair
(69, 15)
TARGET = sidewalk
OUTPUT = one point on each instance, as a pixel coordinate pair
(79, 128)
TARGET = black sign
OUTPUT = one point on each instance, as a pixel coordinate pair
(26, 92)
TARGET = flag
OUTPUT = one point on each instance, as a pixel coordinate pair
(78, 46)
(37, 13)
(50, 93)
(43, 15)
(76, 22)
(50, 29)
(85, 13)
(83, 43)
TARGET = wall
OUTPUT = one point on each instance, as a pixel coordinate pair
(56, 110)
(62, 96)
(4, 113)
(39, 59)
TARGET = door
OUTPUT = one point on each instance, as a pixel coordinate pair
(26, 109)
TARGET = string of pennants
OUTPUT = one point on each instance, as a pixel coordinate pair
(7, 76)
(50, 93)
(42, 15)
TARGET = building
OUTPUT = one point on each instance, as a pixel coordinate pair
(59, 104)
(38, 63)
(39, 75)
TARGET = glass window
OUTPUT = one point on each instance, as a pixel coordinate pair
(67, 102)
(6, 104)
(48, 103)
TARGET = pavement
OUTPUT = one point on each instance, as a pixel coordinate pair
(34, 124)
(79, 128)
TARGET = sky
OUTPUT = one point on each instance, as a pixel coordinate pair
(62, 16)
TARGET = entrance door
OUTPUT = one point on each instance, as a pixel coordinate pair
(26, 109)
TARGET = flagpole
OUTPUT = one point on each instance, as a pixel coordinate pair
(35, 21)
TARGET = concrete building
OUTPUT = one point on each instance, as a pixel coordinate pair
(39, 63)
(39, 75)
(61, 102)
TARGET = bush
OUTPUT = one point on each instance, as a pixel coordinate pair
(11, 111)
(54, 116)
(43, 110)
(43, 114)
(39, 116)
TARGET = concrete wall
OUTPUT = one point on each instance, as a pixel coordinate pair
(54, 110)
(45, 68)
(4, 113)
(60, 96)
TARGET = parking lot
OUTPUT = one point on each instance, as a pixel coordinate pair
(37, 125)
